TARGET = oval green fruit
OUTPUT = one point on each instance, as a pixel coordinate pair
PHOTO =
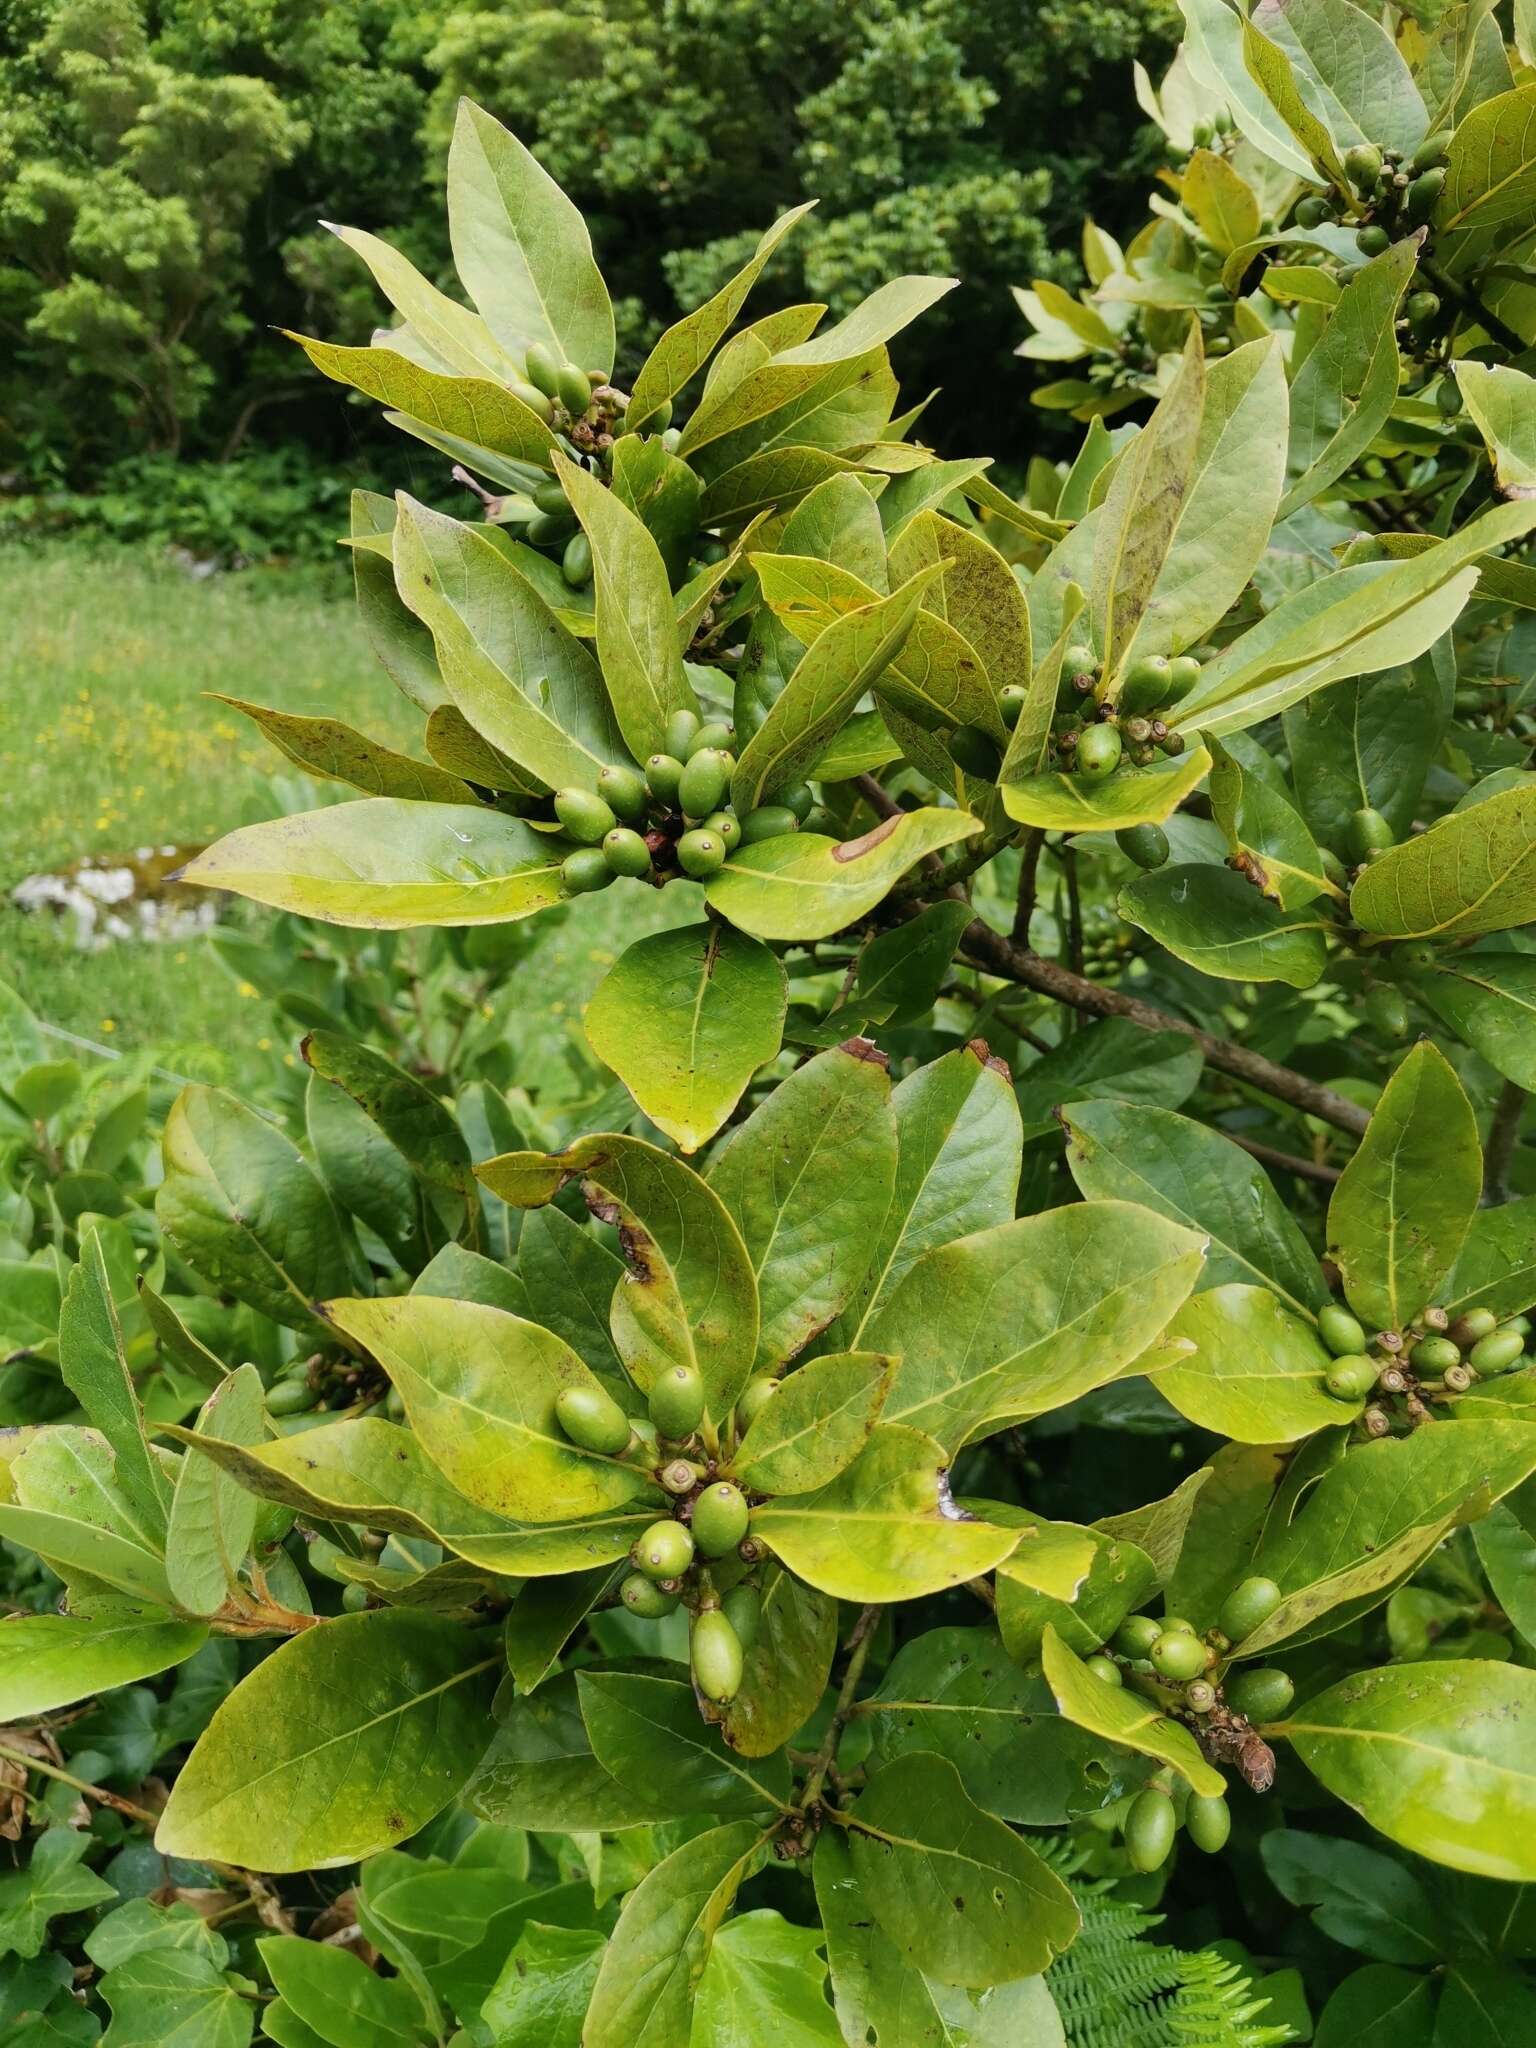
(537, 401)
(1352, 1377)
(548, 530)
(1448, 397)
(1471, 1326)
(1415, 955)
(720, 1518)
(585, 870)
(1011, 699)
(1362, 163)
(1250, 1602)
(1424, 194)
(665, 1551)
(1339, 1330)
(550, 499)
(1183, 674)
(1388, 1012)
(714, 733)
(1431, 150)
(768, 821)
(754, 1398)
(644, 1597)
(1373, 240)
(1434, 1355)
(1145, 684)
(627, 853)
(700, 853)
(704, 781)
(663, 773)
(292, 1397)
(543, 370)
(584, 815)
(1098, 752)
(1105, 1669)
(726, 827)
(573, 390)
(1311, 212)
(1079, 660)
(676, 1401)
(1208, 1821)
(1175, 1624)
(1147, 845)
(592, 1419)
(1150, 1827)
(1422, 307)
(1262, 1694)
(682, 728)
(799, 798)
(576, 562)
(743, 1609)
(1136, 1635)
(1498, 1353)
(1175, 1655)
(975, 752)
(623, 789)
(714, 1651)
(354, 1598)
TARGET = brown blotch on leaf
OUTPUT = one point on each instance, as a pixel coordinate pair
(864, 1049)
(855, 849)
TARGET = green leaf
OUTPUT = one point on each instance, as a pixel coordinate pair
(213, 1519)
(1197, 1177)
(539, 1771)
(1472, 871)
(1497, 1265)
(770, 482)
(1249, 1369)
(339, 1997)
(1113, 1060)
(1402, 1207)
(386, 865)
(470, 408)
(444, 328)
(1025, 1317)
(95, 1368)
(1224, 206)
(977, 594)
(569, 1277)
(365, 1174)
(414, 1120)
(52, 1660)
(1118, 1581)
(685, 1018)
(168, 1995)
(954, 1693)
(885, 1528)
(636, 623)
(528, 686)
(1344, 392)
(542, 1994)
(803, 886)
(808, 1178)
(1506, 1549)
(1161, 1527)
(138, 1926)
(1380, 2007)
(959, 1149)
(786, 1670)
(1439, 1757)
(30, 1297)
(1217, 921)
(1351, 69)
(877, 1994)
(1366, 745)
(816, 1424)
(646, 1986)
(346, 1740)
(1490, 177)
(1502, 401)
(1124, 1717)
(479, 1387)
(764, 1981)
(690, 1297)
(545, 1615)
(1489, 1000)
(522, 247)
(241, 1205)
(88, 1552)
(901, 972)
(337, 752)
(1057, 802)
(957, 1891)
(1261, 823)
(52, 1881)
(648, 1734)
(1364, 1899)
(663, 494)
(828, 681)
(688, 344)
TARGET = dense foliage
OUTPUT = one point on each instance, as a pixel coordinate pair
(1013, 1407)
(162, 168)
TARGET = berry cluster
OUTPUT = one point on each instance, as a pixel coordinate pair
(1091, 736)
(1403, 1370)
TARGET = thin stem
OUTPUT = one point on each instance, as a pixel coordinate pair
(1288, 1162)
(83, 1786)
(1029, 871)
(1067, 855)
(879, 799)
(858, 1650)
(1503, 1137)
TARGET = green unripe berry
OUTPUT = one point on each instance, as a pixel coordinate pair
(642, 1596)
(543, 370)
(1431, 150)
(1499, 1353)
(1415, 955)
(1471, 1326)
(726, 827)
(1150, 1827)
(1351, 1378)
(394, 1405)
(1373, 240)
(661, 418)
(593, 1420)
(1203, 134)
(714, 1652)
(720, 1517)
(1370, 833)
(768, 821)
(1448, 397)
(716, 734)
(1386, 1010)
(665, 1551)
(1175, 1624)
(754, 1398)
(1136, 1635)
(354, 1598)
(1262, 1694)
(585, 817)
(548, 529)
(623, 790)
(1183, 674)
(671, 440)
(1105, 1669)
(819, 819)
(1147, 845)
(1249, 1604)
(627, 853)
(1520, 1323)
(291, 1397)
(1098, 752)
(576, 562)
(743, 1609)
(1362, 165)
(1010, 703)
(1175, 1655)
(975, 752)
(1422, 308)
(1145, 684)
(1208, 1821)
(1080, 660)
(663, 773)
(1434, 1355)
(551, 500)
(1311, 212)
(700, 853)
(676, 1401)
(1424, 195)
(530, 395)
(573, 390)
(585, 870)
(682, 730)
(800, 799)
(1340, 1331)
(704, 782)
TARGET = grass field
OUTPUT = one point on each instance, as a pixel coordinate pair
(109, 742)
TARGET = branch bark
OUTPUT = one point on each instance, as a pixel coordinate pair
(1503, 1136)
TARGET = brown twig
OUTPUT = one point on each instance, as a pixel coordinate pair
(858, 1650)
(1029, 870)
(1287, 1162)
(83, 1786)
(879, 799)
(1503, 1137)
